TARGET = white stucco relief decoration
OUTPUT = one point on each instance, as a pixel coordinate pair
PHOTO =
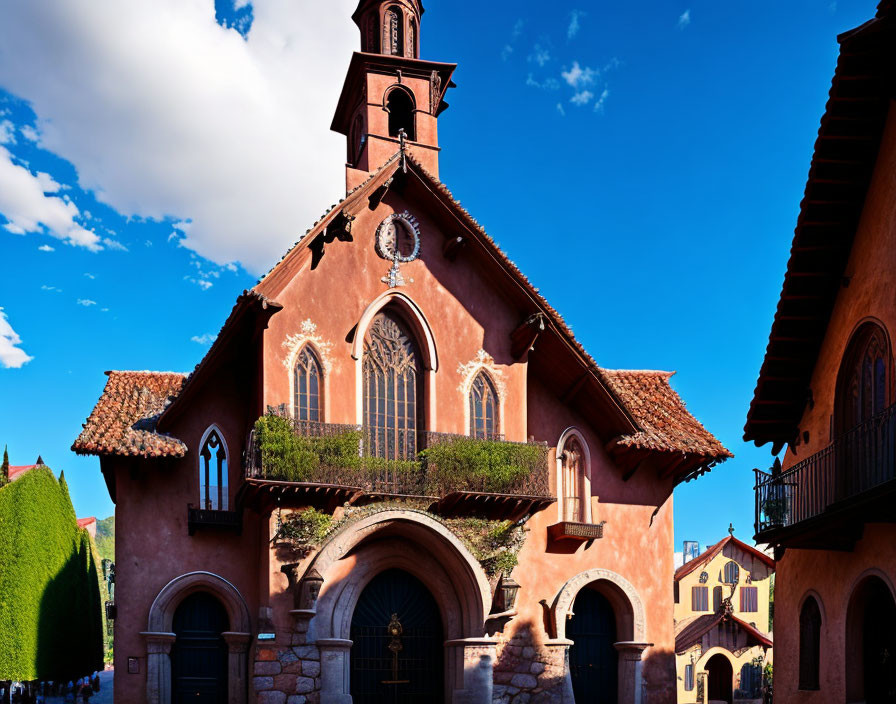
(307, 333)
(398, 240)
(468, 372)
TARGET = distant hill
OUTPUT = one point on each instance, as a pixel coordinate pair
(105, 538)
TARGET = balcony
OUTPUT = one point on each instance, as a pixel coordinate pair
(202, 518)
(329, 464)
(825, 500)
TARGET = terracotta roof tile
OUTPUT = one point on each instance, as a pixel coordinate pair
(666, 425)
(16, 471)
(123, 420)
(690, 632)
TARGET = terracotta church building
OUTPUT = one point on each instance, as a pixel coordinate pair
(396, 476)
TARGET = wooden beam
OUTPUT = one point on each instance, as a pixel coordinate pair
(452, 247)
(523, 338)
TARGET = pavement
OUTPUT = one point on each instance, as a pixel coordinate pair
(103, 697)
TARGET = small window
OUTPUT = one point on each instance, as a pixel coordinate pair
(704, 577)
(483, 407)
(393, 31)
(689, 678)
(716, 599)
(213, 473)
(400, 107)
(675, 593)
(810, 644)
(700, 598)
(731, 573)
(307, 386)
(749, 599)
(573, 458)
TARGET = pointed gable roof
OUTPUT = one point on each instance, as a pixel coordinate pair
(707, 556)
(691, 632)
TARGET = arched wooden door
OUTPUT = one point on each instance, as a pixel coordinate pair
(879, 645)
(720, 676)
(199, 654)
(397, 652)
(593, 661)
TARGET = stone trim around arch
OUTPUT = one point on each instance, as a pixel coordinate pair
(410, 540)
(629, 611)
(159, 637)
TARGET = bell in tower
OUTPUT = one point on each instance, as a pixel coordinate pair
(390, 27)
(391, 97)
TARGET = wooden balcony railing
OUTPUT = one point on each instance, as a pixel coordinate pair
(286, 450)
(857, 462)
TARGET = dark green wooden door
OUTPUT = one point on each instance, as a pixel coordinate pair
(411, 671)
(593, 661)
(199, 654)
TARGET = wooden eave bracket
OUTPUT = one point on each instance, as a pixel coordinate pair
(523, 338)
(452, 247)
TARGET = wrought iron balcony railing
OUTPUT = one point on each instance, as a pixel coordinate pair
(857, 462)
(286, 450)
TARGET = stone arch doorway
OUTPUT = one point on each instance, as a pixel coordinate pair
(419, 545)
(631, 628)
(397, 650)
(871, 643)
(199, 653)
(160, 637)
(719, 680)
(593, 660)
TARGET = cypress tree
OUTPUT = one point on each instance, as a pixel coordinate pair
(4, 468)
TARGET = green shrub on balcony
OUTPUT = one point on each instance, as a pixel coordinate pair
(473, 464)
(289, 456)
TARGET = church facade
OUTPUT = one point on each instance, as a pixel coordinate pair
(396, 475)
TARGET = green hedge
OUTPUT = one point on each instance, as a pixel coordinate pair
(50, 604)
(480, 465)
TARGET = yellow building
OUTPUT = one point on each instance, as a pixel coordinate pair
(721, 612)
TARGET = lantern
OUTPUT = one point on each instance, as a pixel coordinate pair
(506, 594)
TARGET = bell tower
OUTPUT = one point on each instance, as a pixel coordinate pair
(389, 90)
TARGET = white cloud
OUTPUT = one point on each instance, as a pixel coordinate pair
(574, 23)
(582, 97)
(11, 355)
(561, 109)
(685, 19)
(28, 209)
(506, 52)
(46, 248)
(86, 302)
(7, 132)
(578, 76)
(204, 284)
(540, 55)
(547, 83)
(114, 244)
(599, 103)
(164, 113)
(47, 183)
(205, 339)
(29, 133)
(44, 287)
(517, 28)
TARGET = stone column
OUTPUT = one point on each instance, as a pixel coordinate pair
(630, 670)
(158, 666)
(334, 670)
(237, 665)
(558, 648)
(470, 670)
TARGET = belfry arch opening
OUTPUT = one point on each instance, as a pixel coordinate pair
(400, 106)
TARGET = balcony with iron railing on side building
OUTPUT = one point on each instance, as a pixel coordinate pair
(290, 461)
(825, 500)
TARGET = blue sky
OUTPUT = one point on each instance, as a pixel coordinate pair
(642, 163)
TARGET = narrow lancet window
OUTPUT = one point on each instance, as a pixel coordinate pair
(307, 386)
(573, 478)
(483, 407)
(213, 473)
(400, 107)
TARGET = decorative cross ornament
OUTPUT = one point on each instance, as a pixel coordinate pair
(398, 239)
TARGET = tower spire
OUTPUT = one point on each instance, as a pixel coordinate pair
(389, 89)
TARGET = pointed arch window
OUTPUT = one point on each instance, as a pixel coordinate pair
(731, 573)
(483, 407)
(307, 394)
(392, 376)
(213, 492)
(864, 380)
(573, 473)
(810, 644)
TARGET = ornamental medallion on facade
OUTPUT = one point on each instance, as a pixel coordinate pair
(398, 240)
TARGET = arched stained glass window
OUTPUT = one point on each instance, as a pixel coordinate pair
(391, 389)
(731, 573)
(307, 378)
(864, 378)
(213, 473)
(483, 407)
(573, 474)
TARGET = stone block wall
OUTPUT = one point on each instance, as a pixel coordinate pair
(527, 672)
(287, 674)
